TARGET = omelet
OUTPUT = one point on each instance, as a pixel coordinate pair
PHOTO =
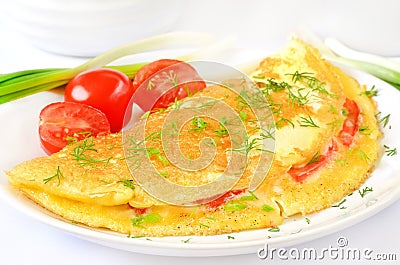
(326, 143)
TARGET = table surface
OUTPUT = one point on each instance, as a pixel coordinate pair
(26, 241)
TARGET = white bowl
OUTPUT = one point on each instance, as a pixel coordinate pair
(89, 27)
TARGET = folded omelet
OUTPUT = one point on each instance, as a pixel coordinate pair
(326, 137)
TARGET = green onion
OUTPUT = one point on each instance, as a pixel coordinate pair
(24, 83)
(381, 67)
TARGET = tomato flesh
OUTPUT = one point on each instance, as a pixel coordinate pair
(350, 125)
(61, 120)
(105, 89)
(159, 83)
(301, 173)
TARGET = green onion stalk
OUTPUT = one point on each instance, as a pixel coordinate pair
(378, 66)
(24, 83)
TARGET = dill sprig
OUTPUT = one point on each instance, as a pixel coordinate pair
(390, 151)
(384, 121)
(80, 153)
(307, 122)
(373, 92)
(315, 158)
(311, 81)
(340, 205)
(58, 175)
(365, 191)
(128, 183)
(198, 124)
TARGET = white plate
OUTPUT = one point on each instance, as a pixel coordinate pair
(19, 142)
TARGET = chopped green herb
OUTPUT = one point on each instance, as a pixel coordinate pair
(282, 121)
(384, 121)
(198, 124)
(186, 240)
(362, 155)
(58, 175)
(137, 236)
(243, 115)
(370, 92)
(315, 158)
(308, 221)
(333, 110)
(231, 237)
(176, 105)
(128, 183)
(250, 197)
(334, 124)
(110, 147)
(340, 204)
(365, 191)
(163, 174)
(156, 152)
(222, 130)
(145, 115)
(80, 153)
(267, 208)
(194, 211)
(364, 130)
(297, 97)
(150, 218)
(390, 152)
(307, 122)
(274, 229)
(341, 162)
(234, 206)
(203, 225)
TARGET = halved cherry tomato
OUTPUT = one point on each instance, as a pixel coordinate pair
(105, 89)
(350, 125)
(61, 120)
(157, 84)
(301, 173)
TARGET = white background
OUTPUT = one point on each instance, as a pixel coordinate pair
(371, 26)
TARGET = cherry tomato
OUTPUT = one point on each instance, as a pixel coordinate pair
(61, 120)
(301, 173)
(350, 125)
(105, 89)
(159, 83)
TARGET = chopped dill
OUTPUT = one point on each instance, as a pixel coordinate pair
(307, 122)
(365, 191)
(389, 151)
(57, 175)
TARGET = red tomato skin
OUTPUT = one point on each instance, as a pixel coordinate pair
(300, 174)
(105, 89)
(62, 119)
(153, 80)
(350, 125)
